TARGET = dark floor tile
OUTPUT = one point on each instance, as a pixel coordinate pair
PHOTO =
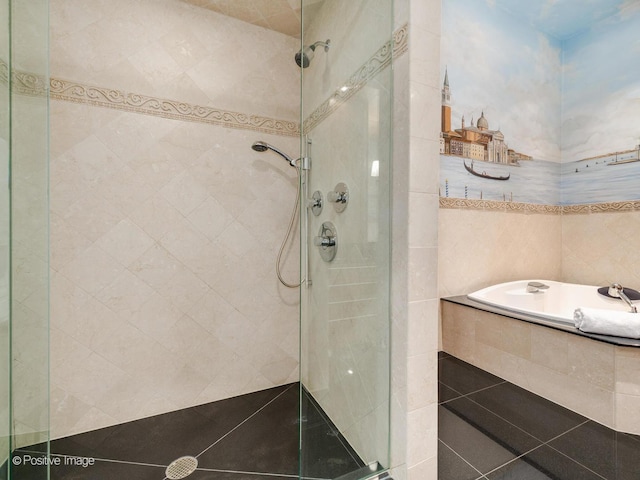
(326, 454)
(163, 438)
(483, 439)
(265, 443)
(212, 475)
(592, 445)
(543, 463)
(452, 467)
(628, 456)
(445, 393)
(609, 453)
(104, 471)
(464, 377)
(539, 417)
(442, 354)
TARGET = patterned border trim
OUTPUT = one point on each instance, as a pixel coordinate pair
(516, 207)
(401, 41)
(161, 107)
(23, 83)
(4, 72)
(494, 205)
(376, 63)
(608, 207)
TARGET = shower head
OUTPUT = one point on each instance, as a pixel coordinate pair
(304, 56)
(261, 146)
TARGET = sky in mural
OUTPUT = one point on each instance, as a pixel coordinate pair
(564, 19)
(601, 90)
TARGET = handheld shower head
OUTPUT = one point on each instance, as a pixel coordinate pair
(261, 146)
(304, 56)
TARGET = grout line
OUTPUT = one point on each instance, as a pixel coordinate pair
(522, 429)
(515, 459)
(564, 454)
(463, 459)
(108, 460)
(460, 395)
(470, 393)
(245, 420)
(544, 443)
(283, 475)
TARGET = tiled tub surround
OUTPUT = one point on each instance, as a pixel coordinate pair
(492, 429)
(491, 244)
(602, 246)
(594, 378)
(160, 227)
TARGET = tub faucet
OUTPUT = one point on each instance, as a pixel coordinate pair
(617, 291)
(535, 287)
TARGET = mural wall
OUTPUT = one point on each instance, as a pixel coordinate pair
(525, 115)
(601, 111)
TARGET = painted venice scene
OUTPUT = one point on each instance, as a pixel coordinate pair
(477, 163)
(474, 157)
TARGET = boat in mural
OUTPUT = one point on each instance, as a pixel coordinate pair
(485, 174)
(626, 160)
(622, 162)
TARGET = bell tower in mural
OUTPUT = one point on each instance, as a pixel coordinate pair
(446, 104)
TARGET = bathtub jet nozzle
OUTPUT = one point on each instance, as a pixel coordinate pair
(535, 287)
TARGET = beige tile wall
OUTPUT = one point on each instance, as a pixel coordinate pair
(595, 379)
(601, 248)
(423, 241)
(349, 50)
(161, 228)
(481, 248)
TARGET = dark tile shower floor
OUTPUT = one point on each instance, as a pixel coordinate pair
(490, 429)
(250, 437)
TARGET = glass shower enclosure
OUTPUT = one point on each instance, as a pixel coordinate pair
(346, 133)
(345, 312)
(24, 211)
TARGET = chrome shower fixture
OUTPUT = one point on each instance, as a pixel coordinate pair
(261, 146)
(304, 56)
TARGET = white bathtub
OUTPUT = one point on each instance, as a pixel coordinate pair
(557, 303)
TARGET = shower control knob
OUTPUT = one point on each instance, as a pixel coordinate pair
(327, 241)
(324, 241)
(339, 197)
(315, 203)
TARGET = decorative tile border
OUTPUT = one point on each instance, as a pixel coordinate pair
(376, 63)
(23, 83)
(517, 207)
(401, 41)
(608, 207)
(494, 205)
(162, 107)
(4, 72)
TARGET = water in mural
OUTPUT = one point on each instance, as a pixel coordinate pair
(533, 181)
(608, 178)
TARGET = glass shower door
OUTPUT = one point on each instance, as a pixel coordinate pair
(24, 240)
(5, 359)
(345, 357)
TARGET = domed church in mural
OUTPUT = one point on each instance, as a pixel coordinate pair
(476, 142)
